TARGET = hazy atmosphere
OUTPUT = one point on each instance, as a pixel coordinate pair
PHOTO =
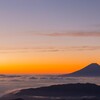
(48, 36)
(49, 49)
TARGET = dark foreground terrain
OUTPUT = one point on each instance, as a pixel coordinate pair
(79, 91)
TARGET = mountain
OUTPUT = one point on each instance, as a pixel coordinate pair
(77, 91)
(92, 70)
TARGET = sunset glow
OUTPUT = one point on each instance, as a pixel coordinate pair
(48, 36)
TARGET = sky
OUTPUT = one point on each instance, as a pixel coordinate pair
(48, 36)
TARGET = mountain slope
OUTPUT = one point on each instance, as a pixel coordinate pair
(78, 90)
(92, 70)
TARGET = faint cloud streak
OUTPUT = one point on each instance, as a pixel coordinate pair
(49, 49)
(71, 34)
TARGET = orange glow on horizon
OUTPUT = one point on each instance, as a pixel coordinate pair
(45, 63)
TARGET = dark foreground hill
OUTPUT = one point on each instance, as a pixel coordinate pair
(77, 91)
(92, 70)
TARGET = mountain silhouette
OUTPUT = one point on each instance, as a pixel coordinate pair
(78, 91)
(92, 70)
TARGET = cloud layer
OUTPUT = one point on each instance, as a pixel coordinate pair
(49, 49)
(72, 34)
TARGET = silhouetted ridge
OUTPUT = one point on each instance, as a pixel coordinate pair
(92, 70)
(77, 90)
(93, 65)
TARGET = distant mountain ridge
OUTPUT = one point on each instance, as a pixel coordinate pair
(92, 70)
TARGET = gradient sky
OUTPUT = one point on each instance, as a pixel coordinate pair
(48, 36)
